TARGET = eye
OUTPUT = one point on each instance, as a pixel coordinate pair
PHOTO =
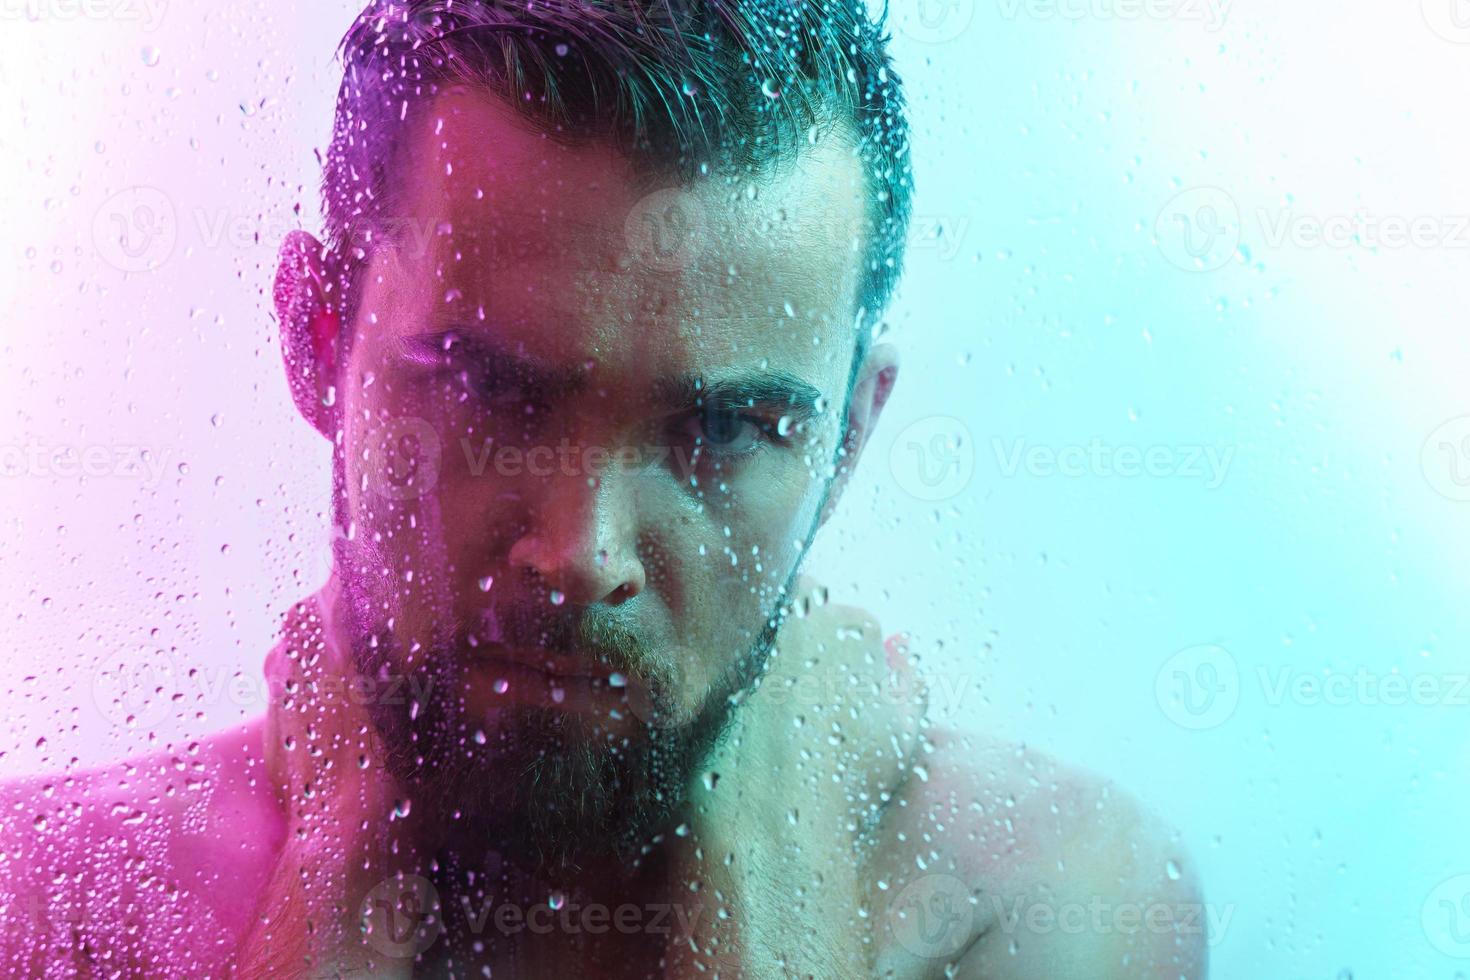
(488, 388)
(727, 433)
(492, 390)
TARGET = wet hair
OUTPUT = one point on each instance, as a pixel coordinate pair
(684, 87)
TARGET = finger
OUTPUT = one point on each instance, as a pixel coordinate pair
(897, 649)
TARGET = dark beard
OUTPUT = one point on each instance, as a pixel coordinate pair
(555, 799)
(551, 790)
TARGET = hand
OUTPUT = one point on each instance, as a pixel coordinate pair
(346, 825)
(817, 751)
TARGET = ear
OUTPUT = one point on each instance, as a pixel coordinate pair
(310, 328)
(875, 380)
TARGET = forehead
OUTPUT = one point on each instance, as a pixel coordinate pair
(570, 251)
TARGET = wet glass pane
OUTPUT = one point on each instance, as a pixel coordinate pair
(740, 488)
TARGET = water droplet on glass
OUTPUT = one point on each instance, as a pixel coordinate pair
(556, 901)
(1171, 868)
(558, 597)
(151, 55)
(486, 582)
(501, 685)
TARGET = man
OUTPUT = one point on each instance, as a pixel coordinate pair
(593, 342)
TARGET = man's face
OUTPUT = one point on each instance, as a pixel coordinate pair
(587, 428)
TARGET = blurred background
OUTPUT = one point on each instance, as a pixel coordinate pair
(1175, 483)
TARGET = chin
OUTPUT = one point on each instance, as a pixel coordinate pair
(552, 787)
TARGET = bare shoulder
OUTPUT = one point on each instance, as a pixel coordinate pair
(119, 867)
(998, 861)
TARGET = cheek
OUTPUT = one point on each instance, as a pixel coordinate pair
(732, 589)
(753, 543)
(396, 461)
(392, 457)
(406, 444)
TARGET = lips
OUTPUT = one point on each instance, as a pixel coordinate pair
(491, 644)
(490, 625)
(557, 666)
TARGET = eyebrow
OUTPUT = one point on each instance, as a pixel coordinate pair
(773, 390)
(501, 362)
(769, 389)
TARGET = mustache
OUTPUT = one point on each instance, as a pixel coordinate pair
(530, 622)
(592, 633)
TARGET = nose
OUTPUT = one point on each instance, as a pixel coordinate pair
(581, 540)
